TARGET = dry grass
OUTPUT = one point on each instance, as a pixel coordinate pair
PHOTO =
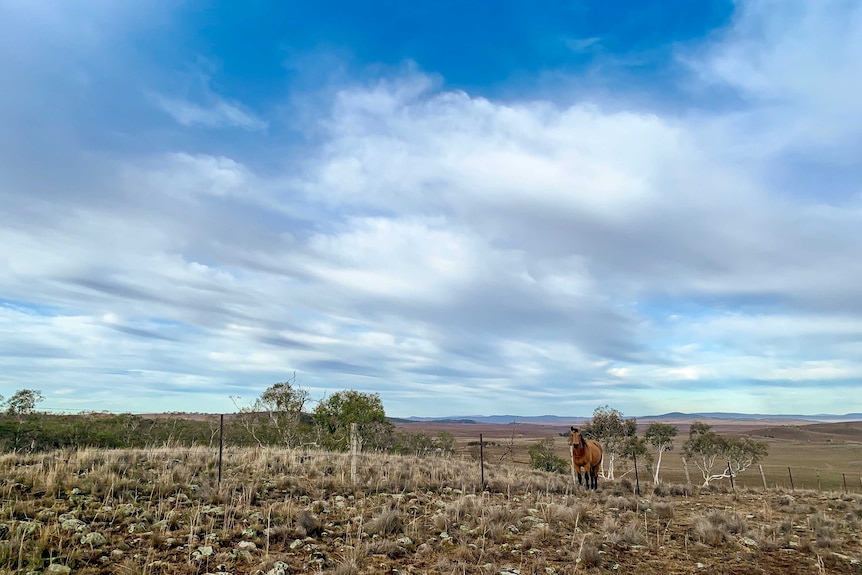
(161, 511)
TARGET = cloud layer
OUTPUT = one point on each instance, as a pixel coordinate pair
(164, 248)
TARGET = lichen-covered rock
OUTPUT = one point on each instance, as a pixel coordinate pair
(57, 569)
(94, 538)
(279, 568)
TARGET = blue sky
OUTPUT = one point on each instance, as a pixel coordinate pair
(464, 207)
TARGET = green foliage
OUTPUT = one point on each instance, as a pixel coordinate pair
(334, 415)
(406, 443)
(542, 457)
(23, 402)
(660, 435)
(277, 415)
(276, 418)
(710, 451)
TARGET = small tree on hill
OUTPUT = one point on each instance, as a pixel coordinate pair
(284, 403)
(711, 452)
(334, 415)
(660, 436)
(23, 402)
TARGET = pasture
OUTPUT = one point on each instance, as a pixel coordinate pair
(278, 511)
(818, 454)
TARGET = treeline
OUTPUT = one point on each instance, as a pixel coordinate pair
(277, 418)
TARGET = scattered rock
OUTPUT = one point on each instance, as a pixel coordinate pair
(279, 568)
(246, 546)
(57, 569)
(509, 571)
(94, 538)
(203, 552)
(748, 541)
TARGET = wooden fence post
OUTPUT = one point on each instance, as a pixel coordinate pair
(762, 476)
(482, 462)
(354, 447)
(791, 479)
(730, 472)
(220, 445)
(818, 480)
(637, 481)
(844, 478)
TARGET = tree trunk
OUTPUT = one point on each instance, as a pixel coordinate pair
(658, 466)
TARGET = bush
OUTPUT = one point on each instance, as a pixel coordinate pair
(542, 457)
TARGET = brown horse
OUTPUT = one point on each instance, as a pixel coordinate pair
(586, 455)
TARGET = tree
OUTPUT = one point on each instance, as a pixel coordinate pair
(612, 431)
(542, 456)
(711, 451)
(334, 415)
(660, 436)
(284, 402)
(23, 402)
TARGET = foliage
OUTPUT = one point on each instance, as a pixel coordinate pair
(334, 415)
(23, 402)
(613, 432)
(711, 451)
(420, 444)
(542, 457)
(660, 436)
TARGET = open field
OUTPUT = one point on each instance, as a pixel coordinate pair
(817, 453)
(278, 511)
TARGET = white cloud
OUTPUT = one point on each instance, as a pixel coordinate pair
(460, 254)
(216, 113)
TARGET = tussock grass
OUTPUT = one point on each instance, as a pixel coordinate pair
(160, 510)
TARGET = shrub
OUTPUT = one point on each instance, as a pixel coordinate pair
(542, 457)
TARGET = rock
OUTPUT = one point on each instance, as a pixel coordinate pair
(116, 554)
(748, 541)
(509, 571)
(279, 568)
(406, 541)
(296, 543)
(57, 569)
(246, 546)
(244, 555)
(94, 538)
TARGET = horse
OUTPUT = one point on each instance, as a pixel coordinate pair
(586, 455)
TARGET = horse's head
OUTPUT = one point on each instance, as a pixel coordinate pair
(576, 438)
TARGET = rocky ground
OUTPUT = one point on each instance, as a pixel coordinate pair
(279, 512)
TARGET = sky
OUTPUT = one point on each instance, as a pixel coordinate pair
(468, 208)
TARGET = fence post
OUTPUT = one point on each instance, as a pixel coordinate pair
(482, 461)
(730, 472)
(791, 479)
(818, 480)
(763, 477)
(354, 447)
(844, 477)
(220, 445)
(637, 481)
(685, 466)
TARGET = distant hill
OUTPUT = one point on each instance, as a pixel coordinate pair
(814, 432)
(675, 416)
